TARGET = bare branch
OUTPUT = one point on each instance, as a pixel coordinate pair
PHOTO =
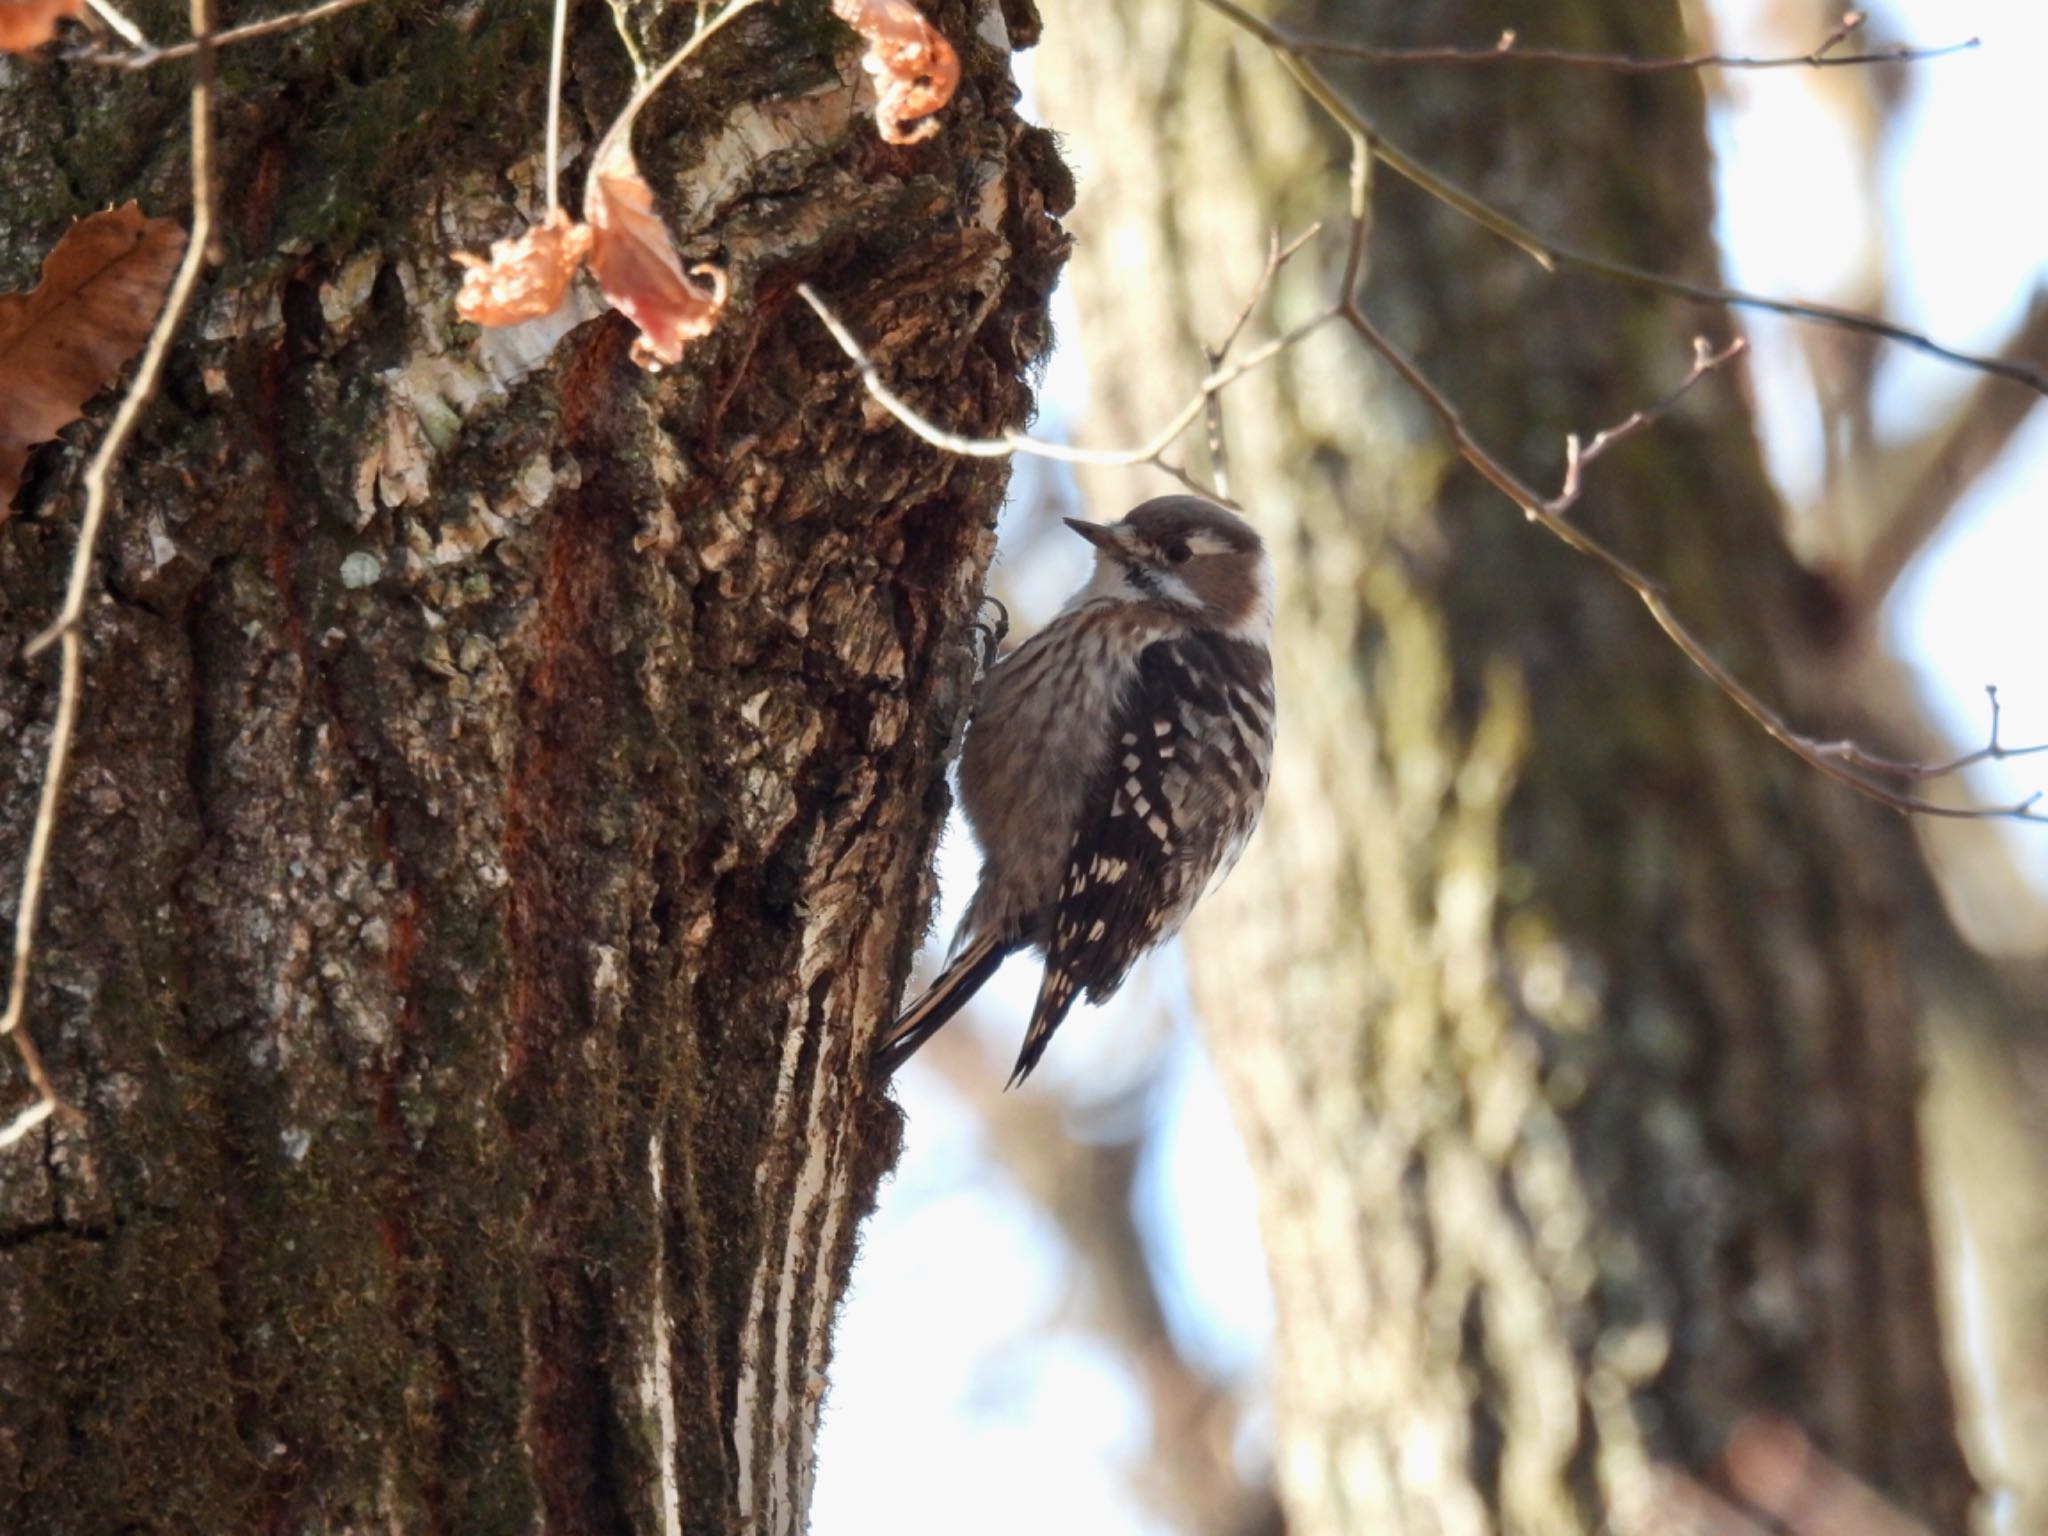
(110, 13)
(1704, 361)
(1830, 758)
(1153, 451)
(99, 473)
(1508, 49)
(63, 631)
(1917, 485)
(31, 897)
(1993, 751)
(1837, 760)
(1866, 773)
(621, 129)
(554, 131)
(1553, 255)
(148, 55)
(1277, 256)
(1179, 473)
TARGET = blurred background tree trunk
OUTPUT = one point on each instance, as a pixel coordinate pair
(506, 786)
(1574, 1029)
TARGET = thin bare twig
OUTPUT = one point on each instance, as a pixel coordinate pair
(1179, 473)
(554, 142)
(1993, 751)
(1704, 361)
(1508, 49)
(110, 13)
(1915, 486)
(1277, 256)
(622, 125)
(1842, 762)
(33, 869)
(99, 472)
(1219, 450)
(1153, 451)
(1829, 758)
(1554, 255)
(1846, 764)
(148, 55)
(63, 632)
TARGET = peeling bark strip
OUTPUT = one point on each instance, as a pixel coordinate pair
(504, 801)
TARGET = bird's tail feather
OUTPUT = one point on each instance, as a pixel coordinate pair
(946, 996)
(1055, 996)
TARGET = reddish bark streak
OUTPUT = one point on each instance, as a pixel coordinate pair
(567, 725)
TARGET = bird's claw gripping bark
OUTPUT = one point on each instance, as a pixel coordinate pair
(992, 633)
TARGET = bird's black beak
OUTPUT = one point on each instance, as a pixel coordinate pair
(1102, 537)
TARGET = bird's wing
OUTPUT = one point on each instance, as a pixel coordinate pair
(1176, 794)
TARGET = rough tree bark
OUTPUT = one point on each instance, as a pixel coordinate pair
(506, 784)
(1569, 1022)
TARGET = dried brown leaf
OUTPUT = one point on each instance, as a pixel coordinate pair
(526, 276)
(70, 338)
(914, 68)
(27, 24)
(636, 265)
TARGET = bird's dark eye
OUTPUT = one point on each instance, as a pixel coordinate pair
(1175, 551)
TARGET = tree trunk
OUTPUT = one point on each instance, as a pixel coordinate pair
(505, 791)
(1568, 1020)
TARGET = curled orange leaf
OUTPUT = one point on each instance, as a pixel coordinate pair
(70, 338)
(526, 276)
(914, 68)
(636, 265)
(27, 24)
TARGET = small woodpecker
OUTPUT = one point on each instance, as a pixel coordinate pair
(1114, 766)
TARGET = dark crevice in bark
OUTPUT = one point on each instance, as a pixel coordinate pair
(56, 1226)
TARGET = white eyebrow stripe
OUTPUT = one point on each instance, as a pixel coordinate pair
(1205, 543)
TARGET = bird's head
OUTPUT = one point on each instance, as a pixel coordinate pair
(1186, 553)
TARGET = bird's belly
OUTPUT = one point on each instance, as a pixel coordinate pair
(1030, 757)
